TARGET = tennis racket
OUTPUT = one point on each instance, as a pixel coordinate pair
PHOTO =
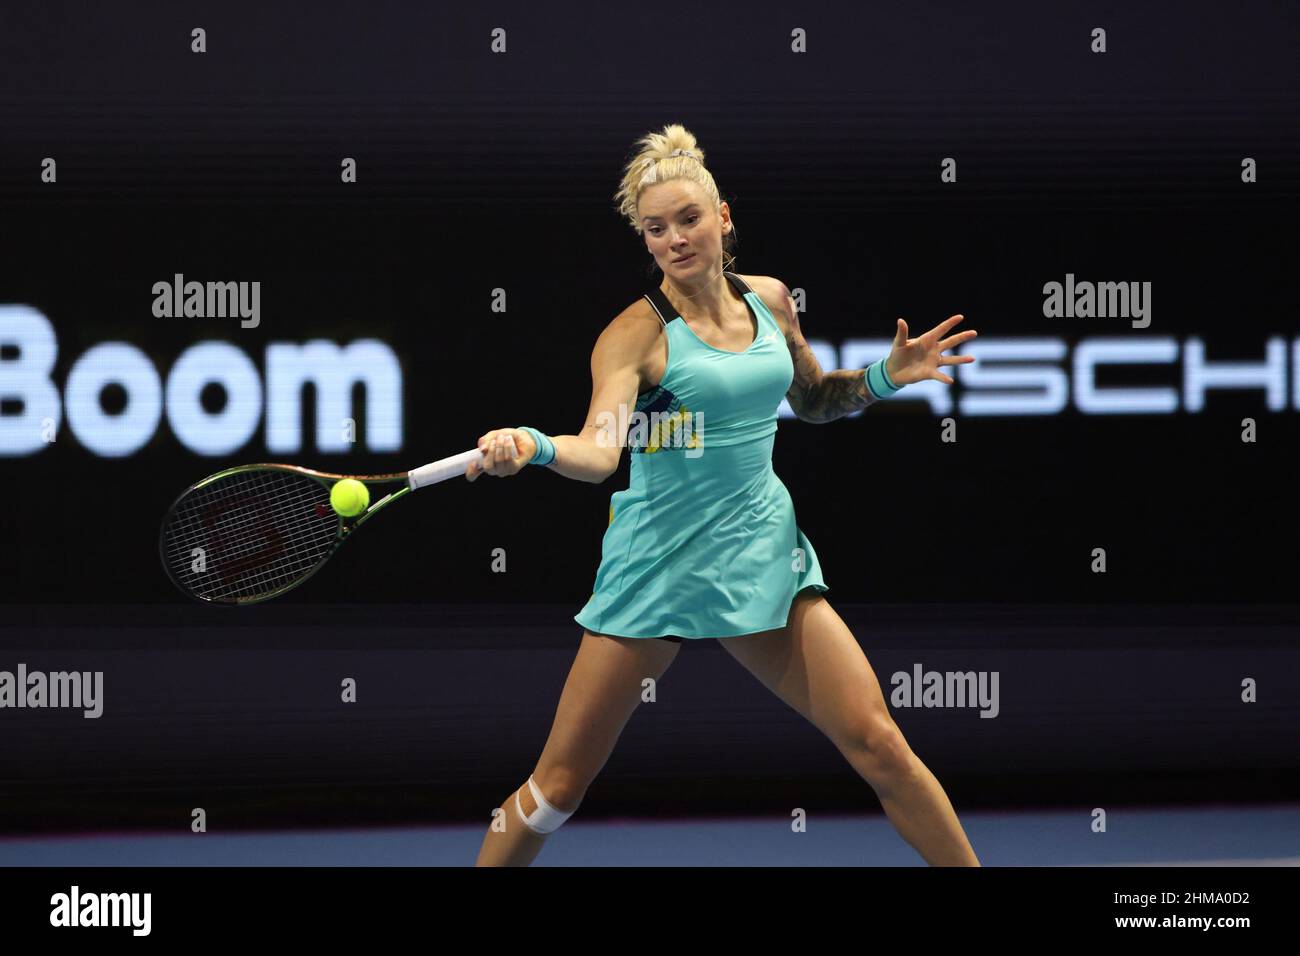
(251, 533)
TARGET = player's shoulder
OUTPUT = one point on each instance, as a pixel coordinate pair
(630, 335)
(773, 292)
(638, 320)
(766, 286)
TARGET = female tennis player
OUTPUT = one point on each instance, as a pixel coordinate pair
(703, 542)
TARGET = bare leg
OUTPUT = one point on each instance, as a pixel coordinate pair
(816, 666)
(601, 692)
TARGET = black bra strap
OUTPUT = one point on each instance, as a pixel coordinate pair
(741, 285)
(659, 302)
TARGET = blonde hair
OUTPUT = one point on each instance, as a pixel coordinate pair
(660, 157)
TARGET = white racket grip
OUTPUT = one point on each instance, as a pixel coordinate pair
(445, 468)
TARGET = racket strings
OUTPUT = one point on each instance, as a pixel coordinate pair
(238, 524)
(256, 533)
(246, 552)
(239, 545)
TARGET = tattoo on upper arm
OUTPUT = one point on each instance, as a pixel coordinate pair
(814, 395)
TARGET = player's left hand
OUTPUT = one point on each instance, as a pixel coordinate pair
(919, 359)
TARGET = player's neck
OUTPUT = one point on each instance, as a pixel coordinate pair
(709, 300)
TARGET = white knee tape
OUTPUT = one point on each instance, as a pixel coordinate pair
(545, 819)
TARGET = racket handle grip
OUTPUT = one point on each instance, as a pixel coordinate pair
(444, 468)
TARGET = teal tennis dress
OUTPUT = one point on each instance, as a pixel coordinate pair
(703, 541)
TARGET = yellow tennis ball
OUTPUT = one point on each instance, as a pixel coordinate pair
(349, 497)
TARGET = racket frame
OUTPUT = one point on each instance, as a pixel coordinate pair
(327, 479)
(436, 471)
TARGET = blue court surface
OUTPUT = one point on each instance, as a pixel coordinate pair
(1205, 836)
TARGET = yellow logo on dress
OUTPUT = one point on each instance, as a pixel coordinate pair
(669, 426)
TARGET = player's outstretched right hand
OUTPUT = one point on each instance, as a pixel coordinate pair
(507, 451)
